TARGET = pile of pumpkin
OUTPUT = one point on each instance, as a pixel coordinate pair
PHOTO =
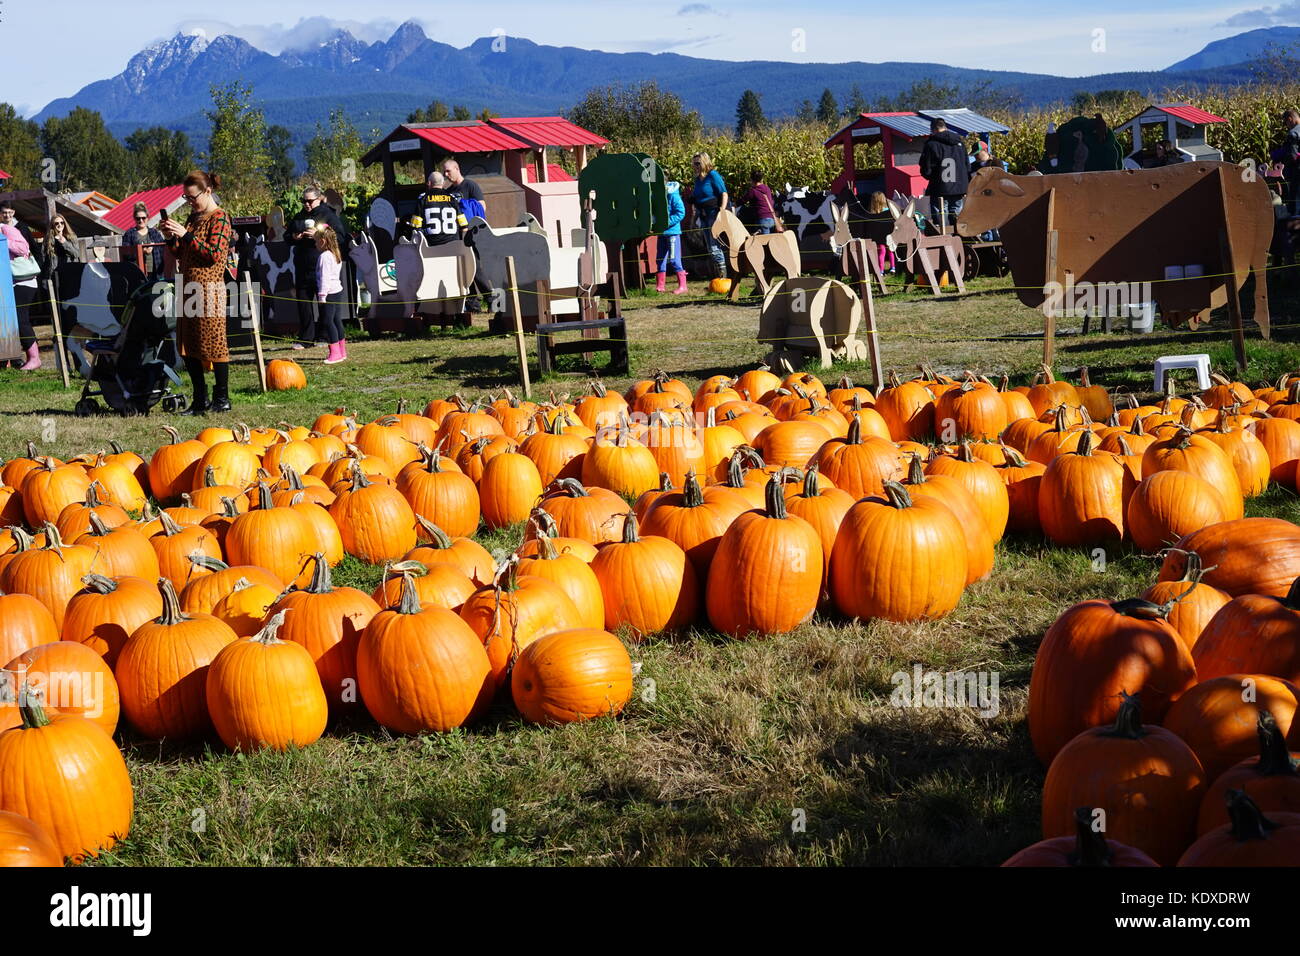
(1212, 653)
(750, 503)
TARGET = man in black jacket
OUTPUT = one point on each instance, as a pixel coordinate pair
(946, 167)
(305, 256)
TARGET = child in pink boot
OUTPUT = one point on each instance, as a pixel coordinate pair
(670, 242)
(329, 292)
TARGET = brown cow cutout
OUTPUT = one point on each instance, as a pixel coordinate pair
(755, 252)
(1127, 226)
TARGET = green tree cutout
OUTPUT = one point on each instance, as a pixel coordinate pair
(237, 150)
(749, 114)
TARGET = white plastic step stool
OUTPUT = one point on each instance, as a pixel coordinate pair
(1200, 362)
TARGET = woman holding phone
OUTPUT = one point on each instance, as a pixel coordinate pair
(202, 248)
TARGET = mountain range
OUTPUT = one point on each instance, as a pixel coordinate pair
(168, 83)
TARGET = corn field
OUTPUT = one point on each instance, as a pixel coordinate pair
(792, 151)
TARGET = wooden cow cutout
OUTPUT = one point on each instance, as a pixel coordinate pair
(921, 253)
(1126, 226)
(754, 253)
(433, 279)
(803, 315)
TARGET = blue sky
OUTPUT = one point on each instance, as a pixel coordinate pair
(94, 40)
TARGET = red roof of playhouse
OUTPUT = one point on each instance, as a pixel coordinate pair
(472, 136)
(547, 131)
(3, 174)
(1190, 114)
(123, 214)
(554, 174)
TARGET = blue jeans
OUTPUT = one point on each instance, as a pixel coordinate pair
(670, 253)
(766, 226)
(704, 220)
(954, 204)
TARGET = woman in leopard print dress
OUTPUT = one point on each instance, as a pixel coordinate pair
(202, 249)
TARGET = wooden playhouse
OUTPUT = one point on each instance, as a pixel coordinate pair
(1182, 124)
(901, 135)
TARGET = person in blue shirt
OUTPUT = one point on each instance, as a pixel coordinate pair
(670, 242)
(708, 196)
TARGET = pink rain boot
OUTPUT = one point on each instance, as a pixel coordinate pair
(659, 282)
(343, 348)
(336, 354)
(33, 358)
(681, 284)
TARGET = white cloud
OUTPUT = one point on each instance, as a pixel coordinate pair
(695, 9)
(1286, 13)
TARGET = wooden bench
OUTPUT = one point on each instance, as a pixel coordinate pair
(592, 321)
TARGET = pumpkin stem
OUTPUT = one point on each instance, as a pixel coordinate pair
(1128, 722)
(1085, 443)
(409, 602)
(53, 541)
(99, 583)
(897, 495)
(97, 526)
(1125, 448)
(964, 452)
(30, 707)
(437, 536)
(1090, 847)
(1013, 458)
(630, 535)
(1142, 609)
(92, 495)
(1274, 757)
(810, 485)
(774, 497)
(854, 436)
(267, 635)
(169, 525)
(321, 582)
(207, 563)
(572, 487)
(916, 471)
(172, 613)
(1248, 821)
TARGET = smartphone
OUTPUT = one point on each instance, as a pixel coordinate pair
(163, 216)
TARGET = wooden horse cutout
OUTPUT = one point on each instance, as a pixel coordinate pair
(805, 315)
(433, 279)
(918, 252)
(755, 252)
(859, 257)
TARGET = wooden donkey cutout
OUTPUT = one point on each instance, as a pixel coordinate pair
(859, 256)
(754, 252)
(927, 253)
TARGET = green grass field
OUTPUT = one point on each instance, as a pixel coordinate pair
(779, 751)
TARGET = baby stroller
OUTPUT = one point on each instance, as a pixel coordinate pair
(135, 370)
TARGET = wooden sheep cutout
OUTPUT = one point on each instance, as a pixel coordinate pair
(370, 271)
(921, 253)
(754, 253)
(1125, 228)
(803, 315)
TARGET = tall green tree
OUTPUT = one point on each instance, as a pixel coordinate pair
(237, 150)
(80, 153)
(828, 111)
(333, 158)
(435, 112)
(749, 114)
(855, 103)
(807, 113)
(159, 157)
(279, 146)
(20, 149)
(461, 113)
(641, 113)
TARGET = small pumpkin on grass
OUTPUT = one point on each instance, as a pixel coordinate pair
(68, 777)
(284, 374)
(421, 669)
(263, 691)
(1145, 778)
(571, 676)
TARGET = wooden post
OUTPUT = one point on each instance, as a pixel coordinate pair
(255, 319)
(1234, 300)
(60, 358)
(1049, 316)
(873, 336)
(520, 345)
